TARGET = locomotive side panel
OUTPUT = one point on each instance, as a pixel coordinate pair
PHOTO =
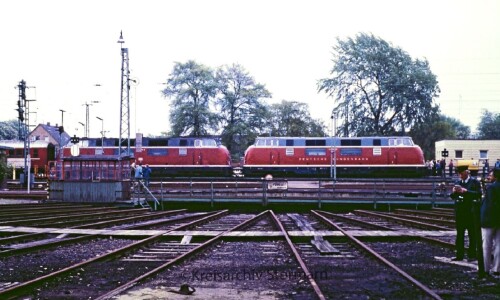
(391, 157)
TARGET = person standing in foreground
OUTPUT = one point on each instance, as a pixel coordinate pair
(490, 224)
(466, 193)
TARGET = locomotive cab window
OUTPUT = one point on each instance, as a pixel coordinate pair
(209, 143)
(400, 142)
(266, 142)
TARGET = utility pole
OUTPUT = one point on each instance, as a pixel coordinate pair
(125, 100)
(87, 117)
(102, 134)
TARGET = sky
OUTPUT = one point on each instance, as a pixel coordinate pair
(67, 52)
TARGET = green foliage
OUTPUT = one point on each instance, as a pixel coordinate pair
(193, 88)
(437, 128)
(291, 118)
(242, 112)
(489, 126)
(9, 130)
(379, 89)
(4, 169)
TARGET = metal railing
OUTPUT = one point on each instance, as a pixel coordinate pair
(311, 190)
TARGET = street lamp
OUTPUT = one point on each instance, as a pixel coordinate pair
(102, 134)
(62, 116)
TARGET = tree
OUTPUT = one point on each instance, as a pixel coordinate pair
(4, 170)
(242, 112)
(9, 130)
(489, 125)
(378, 88)
(292, 118)
(438, 127)
(193, 88)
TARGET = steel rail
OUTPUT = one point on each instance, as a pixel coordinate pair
(21, 250)
(421, 224)
(427, 213)
(363, 246)
(179, 258)
(423, 238)
(47, 220)
(423, 219)
(378, 226)
(19, 289)
(301, 262)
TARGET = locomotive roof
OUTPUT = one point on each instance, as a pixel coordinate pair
(335, 141)
(327, 137)
(152, 141)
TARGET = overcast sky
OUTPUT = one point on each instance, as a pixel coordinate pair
(63, 49)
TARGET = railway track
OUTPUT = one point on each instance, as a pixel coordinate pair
(312, 254)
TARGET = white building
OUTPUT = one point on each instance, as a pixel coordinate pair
(478, 150)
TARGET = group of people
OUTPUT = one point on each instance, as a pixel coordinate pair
(479, 216)
(139, 172)
(438, 168)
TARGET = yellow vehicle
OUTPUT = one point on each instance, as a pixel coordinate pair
(471, 163)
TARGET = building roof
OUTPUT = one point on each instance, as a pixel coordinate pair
(53, 131)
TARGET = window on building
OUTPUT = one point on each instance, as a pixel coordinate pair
(483, 154)
(459, 154)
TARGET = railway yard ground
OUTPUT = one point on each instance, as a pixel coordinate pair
(213, 249)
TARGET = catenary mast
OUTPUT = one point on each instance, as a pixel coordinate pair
(125, 100)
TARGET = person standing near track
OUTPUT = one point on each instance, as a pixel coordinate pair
(146, 172)
(467, 194)
(490, 224)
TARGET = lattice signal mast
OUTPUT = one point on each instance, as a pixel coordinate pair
(23, 109)
(125, 100)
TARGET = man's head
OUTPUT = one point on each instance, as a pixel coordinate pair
(463, 172)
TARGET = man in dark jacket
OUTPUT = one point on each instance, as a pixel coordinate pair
(467, 194)
(490, 224)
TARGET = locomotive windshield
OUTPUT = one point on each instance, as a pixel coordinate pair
(205, 143)
(261, 142)
(404, 141)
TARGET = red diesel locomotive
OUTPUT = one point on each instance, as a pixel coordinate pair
(41, 153)
(174, 156)
(349, 157)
